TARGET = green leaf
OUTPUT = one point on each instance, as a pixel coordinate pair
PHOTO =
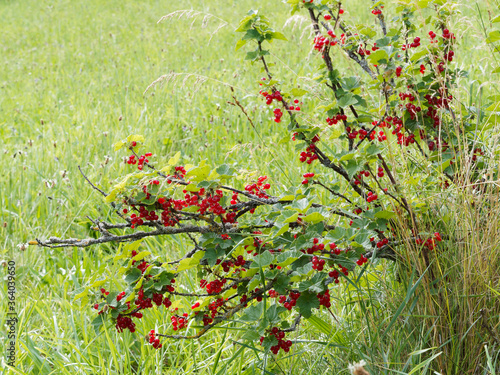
(251, 334)
(348, 156)
(281, 228)
(135, 138)
(226, 171)
(254, 282)
(288, 257)
(262, 260)
(306, 302)
(83, 294)
(119, 145)
(98, 322)
(192, 262)
(353, 166)
(111, 299)
(199, 173)
(269, 341)
(132, 276)
(301, 205)
(373, 149)
(493, 36)
(288, 216)
(212, 254)
(240, 43)
(385, 214)
(347, 100)
(245, 23)
(298, 92)
(253, 34)
(273, 312)
(253, 313)
(132, 245)
(278, 35)
(379, 57)
(281, 283)
(417, 56)
(383, 42)
(314, 218)
(98, 283)
(142, 255)
(252, 55)
(315, 284)
(350, 83)
(175, 159)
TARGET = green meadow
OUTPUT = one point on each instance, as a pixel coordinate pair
(75, 79)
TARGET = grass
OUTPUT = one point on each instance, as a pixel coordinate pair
(72, 84)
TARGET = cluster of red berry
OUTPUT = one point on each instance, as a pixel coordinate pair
(306, 176)
(278, 114)
(437, 145)
(215, 305)
(179, 322)
(335, 119)
(294, 107)
(324, 299)
(317, 264)
(447, 34)
(143, 303)
(276, 95)
(334, 249)
(142, 159)
(381, 243)
(207, 320)
(398, 127)
(380, 172)
(362, 51)
(430, 243)
(321, 42)
(434, 103)
(282, 344)
(336, 274)
(180, 173)
(362, 260)
(124, 322)
(213, 287)
(376, 12)
(449, 56)
(359, 176)
(258, 187)
(414, 44)
(309, 155)
(153, 340)
(371, 197)
(290, 301)
(315, 247)
(477, 152)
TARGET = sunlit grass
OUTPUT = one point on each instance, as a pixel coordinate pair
(72, 84)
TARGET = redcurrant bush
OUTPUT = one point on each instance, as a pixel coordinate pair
(268, 256)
